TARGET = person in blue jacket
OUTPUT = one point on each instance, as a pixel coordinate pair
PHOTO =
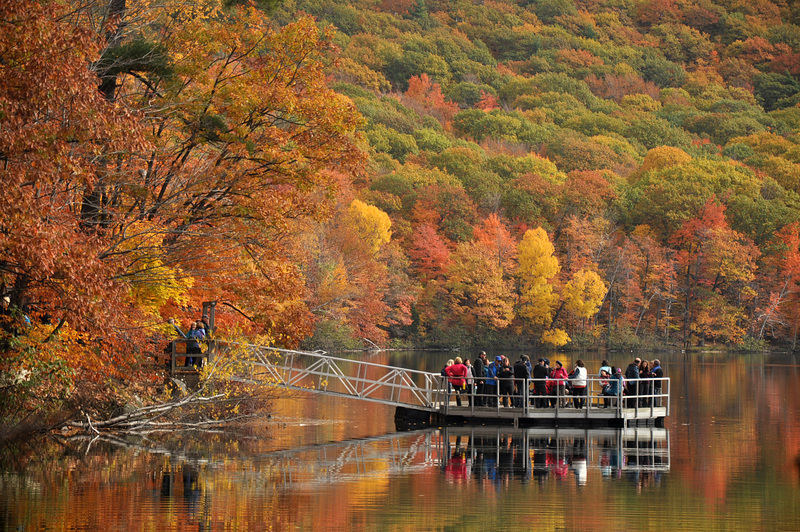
(193, 337)
(614, 388)
(490, 384)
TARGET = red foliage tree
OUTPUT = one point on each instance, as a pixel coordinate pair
(426, 97)
(428, 252)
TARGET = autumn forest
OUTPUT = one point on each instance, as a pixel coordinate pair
(546, 173)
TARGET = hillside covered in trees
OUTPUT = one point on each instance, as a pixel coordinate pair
(604, 171)
(579, 173)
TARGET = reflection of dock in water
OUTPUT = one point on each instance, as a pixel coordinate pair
(478, 453)
(539, 452)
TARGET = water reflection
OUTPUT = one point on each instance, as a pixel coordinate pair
(727, 461)
(485, 455)
(499, 455)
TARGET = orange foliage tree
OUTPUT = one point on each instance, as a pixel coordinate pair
(249, 140)
(428, 252)
(60, 294)
(717, 266)
(426, 97)
(108, 215)
(779, 313)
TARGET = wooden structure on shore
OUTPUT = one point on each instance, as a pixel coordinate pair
(423, 398)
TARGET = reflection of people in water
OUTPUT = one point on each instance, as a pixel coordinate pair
(191, 488)
(457, 468)
(166, 484)
(497, 459)
(644, 479)
(580, 469)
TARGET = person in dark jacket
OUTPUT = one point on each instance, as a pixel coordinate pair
(645, 383)
(540, 375)
(632, 382)
(657, 373)
(521, 377)
(505, 380)
(479, 372)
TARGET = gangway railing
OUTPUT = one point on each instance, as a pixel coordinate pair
(318, 372)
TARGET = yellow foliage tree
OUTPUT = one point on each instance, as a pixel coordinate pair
(537, 265)
(372, 224)
(584, 293)
(556, 337)
(152, 282)
(660, 158)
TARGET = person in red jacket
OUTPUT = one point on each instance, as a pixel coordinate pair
(560, 377)
(458, 378)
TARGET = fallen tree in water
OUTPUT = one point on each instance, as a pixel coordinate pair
(218, 400)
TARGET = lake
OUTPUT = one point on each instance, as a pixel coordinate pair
(727, 459)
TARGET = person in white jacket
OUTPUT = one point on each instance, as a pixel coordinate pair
(578, 380)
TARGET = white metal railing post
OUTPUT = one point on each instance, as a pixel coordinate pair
(445, 393)
(525, 392)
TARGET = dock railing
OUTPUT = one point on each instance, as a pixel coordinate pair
(650, 393)
(177, 351)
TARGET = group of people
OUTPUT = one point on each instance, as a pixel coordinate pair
(195, 334)
(485, 382)
(643, 380)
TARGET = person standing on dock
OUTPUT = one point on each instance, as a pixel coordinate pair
(479, 371)
(505, 380)
(192, 337)
(491, 381)
(540, 384)
(521, 377)
(578, 379)
(632, 382)
(457, 373)
(614, 389)
(559, 376)
(645, 383)
(658, 374)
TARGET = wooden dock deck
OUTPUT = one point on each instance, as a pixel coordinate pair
(592, 416)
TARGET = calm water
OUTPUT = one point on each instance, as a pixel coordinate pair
(728, 459)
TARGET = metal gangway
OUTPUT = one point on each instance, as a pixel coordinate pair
(318, 372)
(429, 394)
